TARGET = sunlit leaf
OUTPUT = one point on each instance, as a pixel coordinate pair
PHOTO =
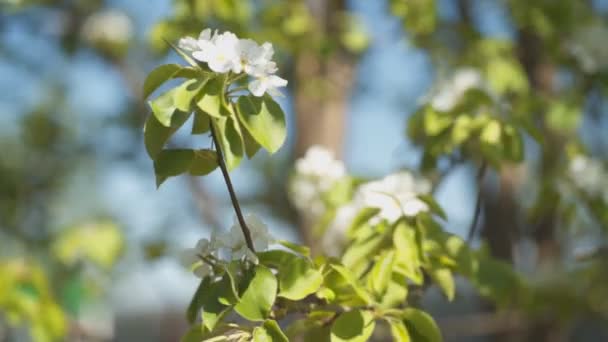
(421, 326)
(264, 120)
(353, 326)
(257, 299)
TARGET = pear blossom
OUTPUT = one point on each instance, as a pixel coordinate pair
(225, 52)
(451, 91)
(220, 53)
(226, 246)
(315, 173)
(235, 241)
(395, 196)
(110, 26)
(193, 257)
(267, 83)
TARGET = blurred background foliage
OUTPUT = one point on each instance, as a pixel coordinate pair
(84, 235)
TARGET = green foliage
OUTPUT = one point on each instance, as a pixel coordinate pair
(421, 326)
(264, 120)
(99, 243)
(26, 297)
(297, 276)
(241, 127)
(258, 297)
(354, 326)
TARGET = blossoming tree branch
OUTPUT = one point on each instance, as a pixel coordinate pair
(383, 238)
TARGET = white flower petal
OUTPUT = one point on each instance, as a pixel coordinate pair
(257, 87)
(188, 257)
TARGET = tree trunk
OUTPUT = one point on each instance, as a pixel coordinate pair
(322, 88)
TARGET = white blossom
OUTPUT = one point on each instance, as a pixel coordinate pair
(193, 257)
(235, 241)
(590, 176)
(225, 52)
(226, 246)
(267, 84)
(452, 90)
(395, 196)
(220, 52)
(315, 174)
(110, 26)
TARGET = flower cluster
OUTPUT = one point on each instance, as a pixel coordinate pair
(227, 246)
(315, 174)
(452, 90)
(225, 52)
(395, 196)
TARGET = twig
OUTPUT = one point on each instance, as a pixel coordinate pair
(478, 179)
(235, 201)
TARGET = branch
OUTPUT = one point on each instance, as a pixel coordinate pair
(235, 201)
(479, 178)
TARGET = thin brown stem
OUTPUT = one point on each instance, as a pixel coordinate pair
(479, 178)
(235, 201)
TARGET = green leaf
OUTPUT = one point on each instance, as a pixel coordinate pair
(362, 218)
(435, 122)
(421, 326)
(352, 283)
(156, 135)
(491, 133)
(407, 257)
(196, 333)
(297, 277)
(311, 328)
(305, 251)
(203, 163)
(211, 100)
(444, 279)
(213, 310)
(196, 302)
(462, 129)
(228, 296)
(435, 207)
(172, 163)
(362, 250)
(230, 139)
(269, 332)
(178, 98)
(264, 119)
(99, 243)
(381, 273)
(251, 146)
(396, 292)
(257, 299)
(159, 76)
(202, 122)
(353, 326)
(513, 144)
(186, 92)
(163, 107)
(399, 331)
